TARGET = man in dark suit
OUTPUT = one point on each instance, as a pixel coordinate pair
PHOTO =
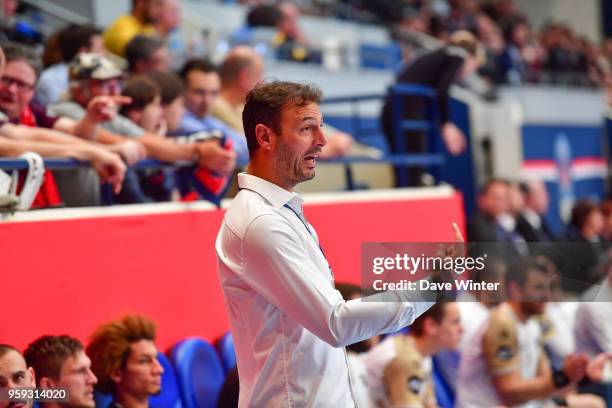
(438, 70)
(530, 223)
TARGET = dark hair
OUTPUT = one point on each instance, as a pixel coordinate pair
(264, 16)
(348, 290)
(265, 102)
(436, 312)
(519, 270)
(170, 86)
(47, 354)
(5, 348)
(20, 52)
(73, 38)
(141, 48)
(490, 183)
(142, 89)
(197, 64)
(581, 212)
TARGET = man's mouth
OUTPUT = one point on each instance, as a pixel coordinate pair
(311, 159)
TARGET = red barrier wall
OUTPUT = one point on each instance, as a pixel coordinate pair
(69, 275)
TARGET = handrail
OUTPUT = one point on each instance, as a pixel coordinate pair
(58, 11)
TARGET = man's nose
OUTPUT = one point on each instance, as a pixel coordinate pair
(320, 139)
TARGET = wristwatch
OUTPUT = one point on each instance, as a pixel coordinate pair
(560, 379)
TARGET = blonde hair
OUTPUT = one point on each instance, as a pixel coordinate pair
(110, 343)
(468, 41)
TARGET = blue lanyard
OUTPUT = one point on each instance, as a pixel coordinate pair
(314, 239)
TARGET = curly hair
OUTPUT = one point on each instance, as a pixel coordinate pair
(110, 343)
(47, 354)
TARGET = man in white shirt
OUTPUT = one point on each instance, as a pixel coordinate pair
(400, 367)
(290, 325)
(504, 363)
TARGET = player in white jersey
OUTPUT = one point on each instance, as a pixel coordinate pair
(504, 364)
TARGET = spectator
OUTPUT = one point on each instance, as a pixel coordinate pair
(493, 222)
(145, 108)
(170, 29)
(207, 185)
(95, 76)
(241, 69)
(14, 373)
(436, 70)
(399, 368)
(124, 358)
(146, 54)
(585, 229)
(202, 87)
(141, 20)
(290, 41)
(16, 94)
(531, 223)
(74, 39)
(606, 211)
(513, 61)
(169, 18)
(504, 363)
(61, 362)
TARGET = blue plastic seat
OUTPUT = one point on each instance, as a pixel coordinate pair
(170, 396)
(227, 352)
(102, 400)
(199, 373)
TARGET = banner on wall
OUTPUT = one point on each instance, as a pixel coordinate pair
(570, 160)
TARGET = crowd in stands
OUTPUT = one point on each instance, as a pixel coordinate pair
(517, 53)
(116, 97)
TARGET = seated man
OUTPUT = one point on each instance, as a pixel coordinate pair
(140, 20)
(74, 39)
(14, 373)
(16, 94)
(92, 76)
(208, 185)
(146, 54)
(241, 69)
(60, 361)
(504, 363)
(399, 368)
(124, 358)
(202, 87)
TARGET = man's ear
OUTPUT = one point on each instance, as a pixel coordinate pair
(264, 136)
(116, 376)
(46, 382)
(32, 376)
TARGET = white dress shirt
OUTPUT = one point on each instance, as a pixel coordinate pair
(290, 325)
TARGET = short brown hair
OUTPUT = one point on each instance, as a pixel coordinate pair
(436, 312)
(110, 346)
(170, 86)
(5, 348)
(265, 102)
(47, 354)
(142, 90)
(238, 59)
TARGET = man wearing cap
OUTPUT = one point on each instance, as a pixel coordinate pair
(16, 94)
(95, 76)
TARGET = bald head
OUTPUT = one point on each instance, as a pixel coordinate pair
(241, 69)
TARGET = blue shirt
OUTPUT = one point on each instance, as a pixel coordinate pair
(191, 123)
(52, 84)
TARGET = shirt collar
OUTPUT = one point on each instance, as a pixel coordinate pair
(277, 196)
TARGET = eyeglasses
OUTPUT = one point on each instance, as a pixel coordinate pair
(21, 86)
